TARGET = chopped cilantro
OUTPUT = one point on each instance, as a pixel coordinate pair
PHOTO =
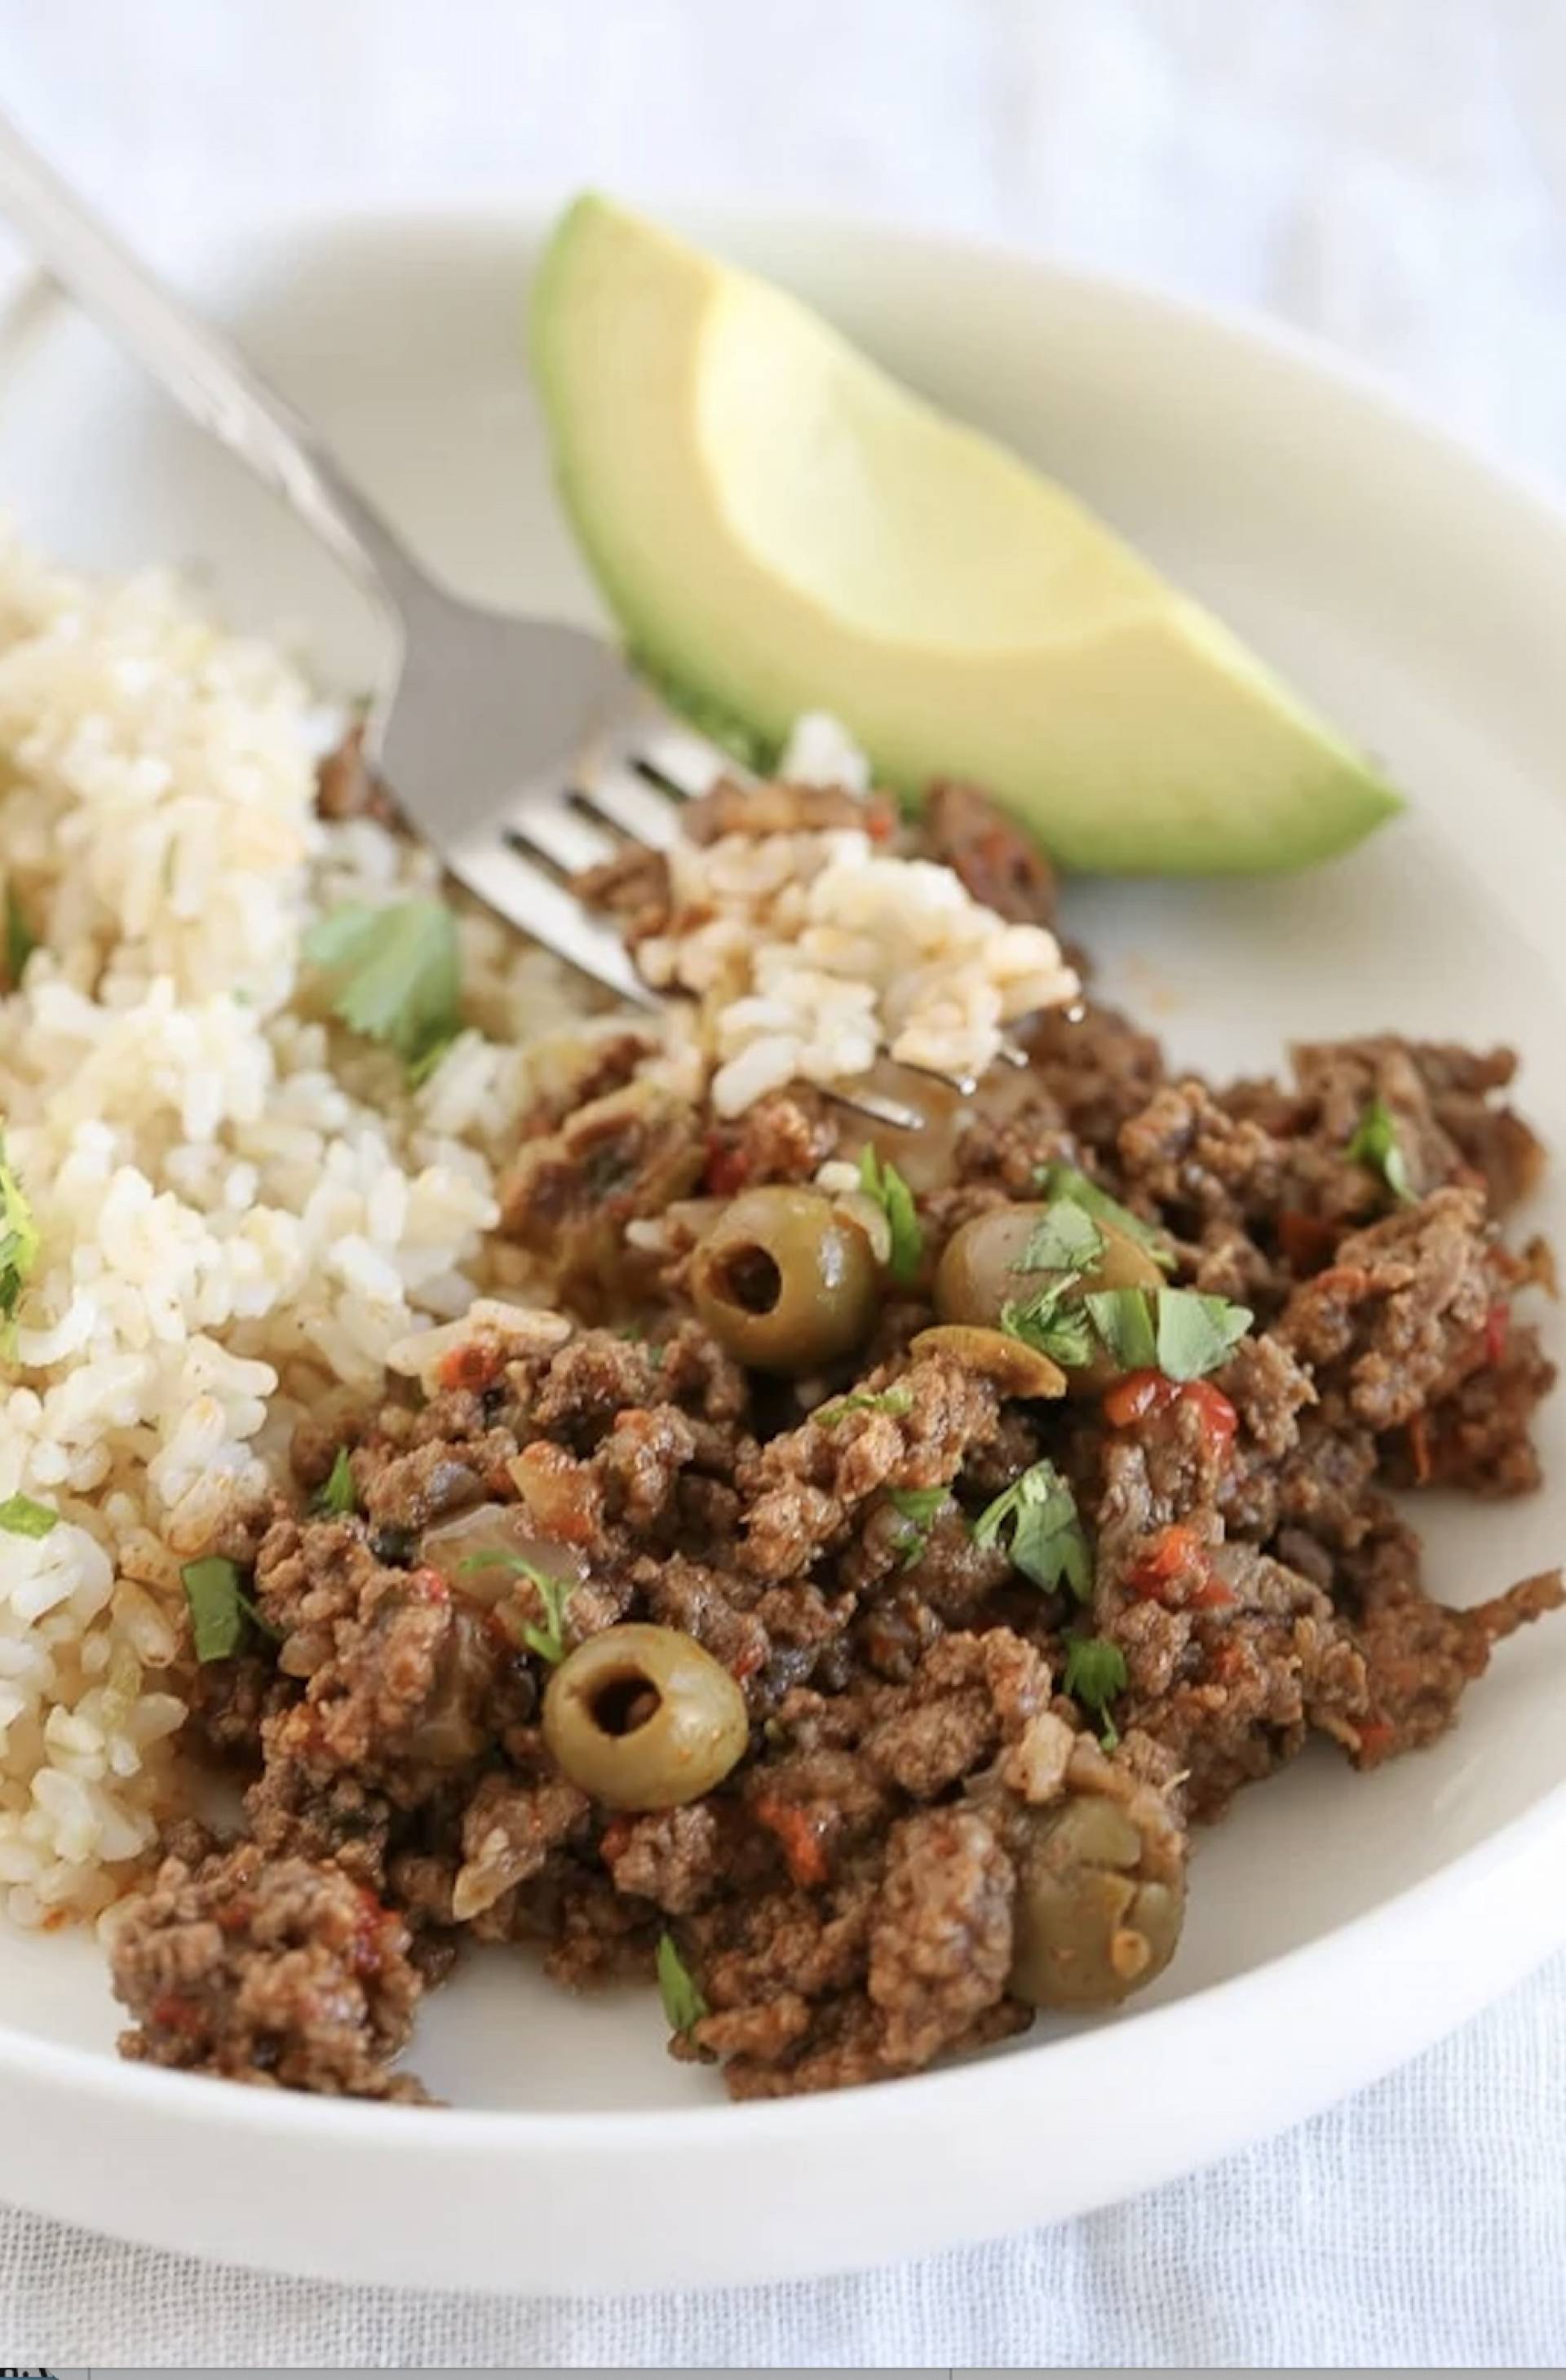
(21, 939)
(219, 1608)
(26, 1518)
(1123, 1320)
(1197, 1333)
(918, 1507)
(1180, 1332)
(1064, 1239)
(880, 1179)
(1066, 1182)
(1375, 1143)
(420, 1069)
(397, 974)
(338, 1495)
(1095, 1673)
(886, 1401)
(18, 1242)
(683, 2002)
(1065, 1242)
(1053, 1321)
(554, 1594)
(1044, 1537)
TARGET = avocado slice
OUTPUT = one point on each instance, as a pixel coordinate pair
(779, 526)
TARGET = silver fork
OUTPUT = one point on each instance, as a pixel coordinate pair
(519, 749)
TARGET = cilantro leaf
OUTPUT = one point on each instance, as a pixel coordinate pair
(683, 2002)
(397, 971)
(1123, 1320)
(1197, 1333)
(19, 1240)
(219, 1608)
(1180, 1332)
(1066, 1182)
(21, 939)
(1035, 1519)
(555, 1593)
(420, 1069)
(1375, 1143)
(886, 1401)
(339, 1494)
(918, 1507)
(1054, 1322)
(1095, 1673)
(1064, 1239)
(26, 1518)
(880, 1179)
(1065, 1242)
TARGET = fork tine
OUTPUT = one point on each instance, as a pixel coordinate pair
(555, 918)
(688, 762)
(964, 1085)
(629, 802)
(876, 1107)
(557, 832)
(489, 867)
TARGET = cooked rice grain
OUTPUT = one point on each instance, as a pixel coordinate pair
(810, 951)
(240, 1207)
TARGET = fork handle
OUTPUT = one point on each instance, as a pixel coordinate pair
(200, 369)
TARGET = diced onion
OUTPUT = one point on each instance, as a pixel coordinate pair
(499, 1530)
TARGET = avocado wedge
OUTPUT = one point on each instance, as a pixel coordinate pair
(779, 526)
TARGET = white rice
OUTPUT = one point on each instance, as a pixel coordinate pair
(240, 1207)
(810, 952)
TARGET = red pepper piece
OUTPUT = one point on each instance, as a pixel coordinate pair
(727, 1169)
(1139, 1395)
(799, 1830)
(1175, 1549)
(470, 1367)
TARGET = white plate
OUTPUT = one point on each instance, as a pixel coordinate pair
(1338, 1924)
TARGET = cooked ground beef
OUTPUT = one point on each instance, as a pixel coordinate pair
(278, 1971)
(997, 859)
(963, 1758)
(735, 808)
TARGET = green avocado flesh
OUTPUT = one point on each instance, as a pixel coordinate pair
(778, 527)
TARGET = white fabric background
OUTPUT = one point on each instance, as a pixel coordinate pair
(1392, 173)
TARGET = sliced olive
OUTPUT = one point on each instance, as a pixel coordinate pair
(784, 1280)
(643, 1718)
(1099, 1903)
(981, 1270)
(1017, 1369)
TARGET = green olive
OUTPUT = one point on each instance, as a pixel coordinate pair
(979, 1266)
(981, 1269)
(784, 1280)
(643, 1718)
(1099, 1903)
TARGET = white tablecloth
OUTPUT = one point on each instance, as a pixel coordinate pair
(1390, 173)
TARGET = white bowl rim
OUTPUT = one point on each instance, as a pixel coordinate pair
(930, 2097)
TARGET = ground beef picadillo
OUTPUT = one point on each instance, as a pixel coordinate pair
(855, 1897)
